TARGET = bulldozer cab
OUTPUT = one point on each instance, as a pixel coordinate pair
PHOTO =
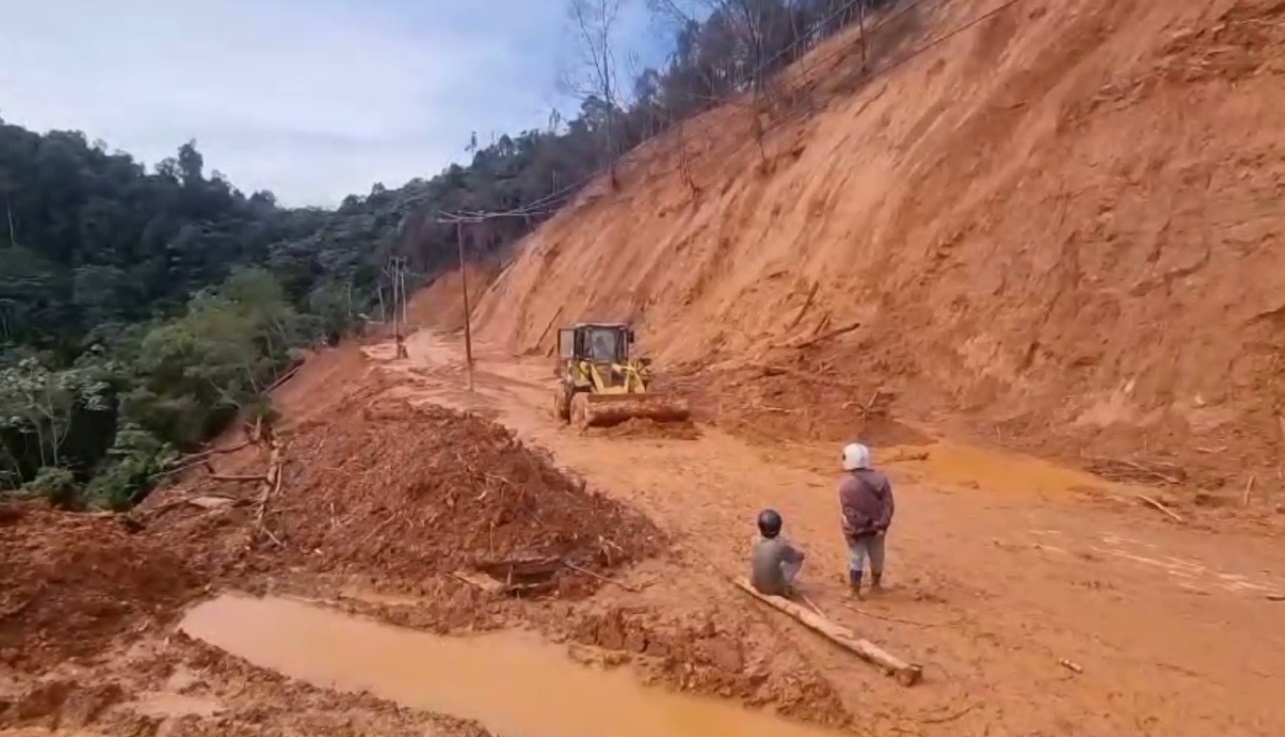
(602, 343)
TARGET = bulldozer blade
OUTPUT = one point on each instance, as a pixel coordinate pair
(605, 410)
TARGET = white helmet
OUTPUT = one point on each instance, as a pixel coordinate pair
(855, 456)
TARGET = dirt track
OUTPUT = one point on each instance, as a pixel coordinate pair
(1001, 568)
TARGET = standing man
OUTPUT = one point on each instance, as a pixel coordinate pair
(865, 496)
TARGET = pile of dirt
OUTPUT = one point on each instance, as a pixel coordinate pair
(718, 652)
(183, 687)
(1059, 219)
(70, 583)
(373, 486)
(793, 397)
(408, 492)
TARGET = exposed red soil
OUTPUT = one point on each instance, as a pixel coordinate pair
(1059, 229)
(372, 485)
(716, 652)
(70, 584)
(440, 304)
(644, 428)
(797, 398)
(332, 375)
(406, 492)
(183, 688)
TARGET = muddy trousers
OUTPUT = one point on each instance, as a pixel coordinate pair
(859, 548)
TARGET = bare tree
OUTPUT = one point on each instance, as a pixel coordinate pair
(596, 75)
(685, 159)
(760, 35)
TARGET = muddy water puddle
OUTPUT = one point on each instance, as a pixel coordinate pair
(991, 469)
(512, 683)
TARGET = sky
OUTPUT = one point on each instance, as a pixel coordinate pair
(311, 99)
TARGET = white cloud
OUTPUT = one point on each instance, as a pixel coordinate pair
(311, 99)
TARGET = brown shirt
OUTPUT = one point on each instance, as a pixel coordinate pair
(865, 497)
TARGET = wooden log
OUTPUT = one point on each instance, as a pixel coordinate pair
(907, 674)
(1154, 504)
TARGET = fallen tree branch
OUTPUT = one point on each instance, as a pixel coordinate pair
(548, 327)
(186, 467)
(906, 674)
(214, 451)
(1161, 507)
(827, 335)
(1114, 469)
(600, 577)
(948, 717)
(194, 500)
(284, 378)
(812, 293)
(769, 369)
(269, 485)
(239, 477)
(484, 583)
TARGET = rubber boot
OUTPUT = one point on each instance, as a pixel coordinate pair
(854, 581)
(876, 581)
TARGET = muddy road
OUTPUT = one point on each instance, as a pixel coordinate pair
(1039, 599)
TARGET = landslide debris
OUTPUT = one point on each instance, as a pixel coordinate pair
(405, 492)
(71, 583)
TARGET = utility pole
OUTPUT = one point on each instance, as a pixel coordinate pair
(399, 304)
(468, 313)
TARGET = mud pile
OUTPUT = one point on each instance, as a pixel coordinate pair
(377, 487)
(70, 583)
(794, 397)
(185, 688)
(412, 491)
(1060, 219)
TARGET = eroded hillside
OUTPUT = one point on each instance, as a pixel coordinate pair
(1058, 219)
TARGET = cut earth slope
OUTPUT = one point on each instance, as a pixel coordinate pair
(1060, 222)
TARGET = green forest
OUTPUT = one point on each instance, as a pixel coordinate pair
(142, 309)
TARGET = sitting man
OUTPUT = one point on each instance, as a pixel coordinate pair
(774, 562)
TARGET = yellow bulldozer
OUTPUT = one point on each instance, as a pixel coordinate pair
(602, 384)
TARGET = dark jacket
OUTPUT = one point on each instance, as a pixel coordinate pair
(865, 496)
